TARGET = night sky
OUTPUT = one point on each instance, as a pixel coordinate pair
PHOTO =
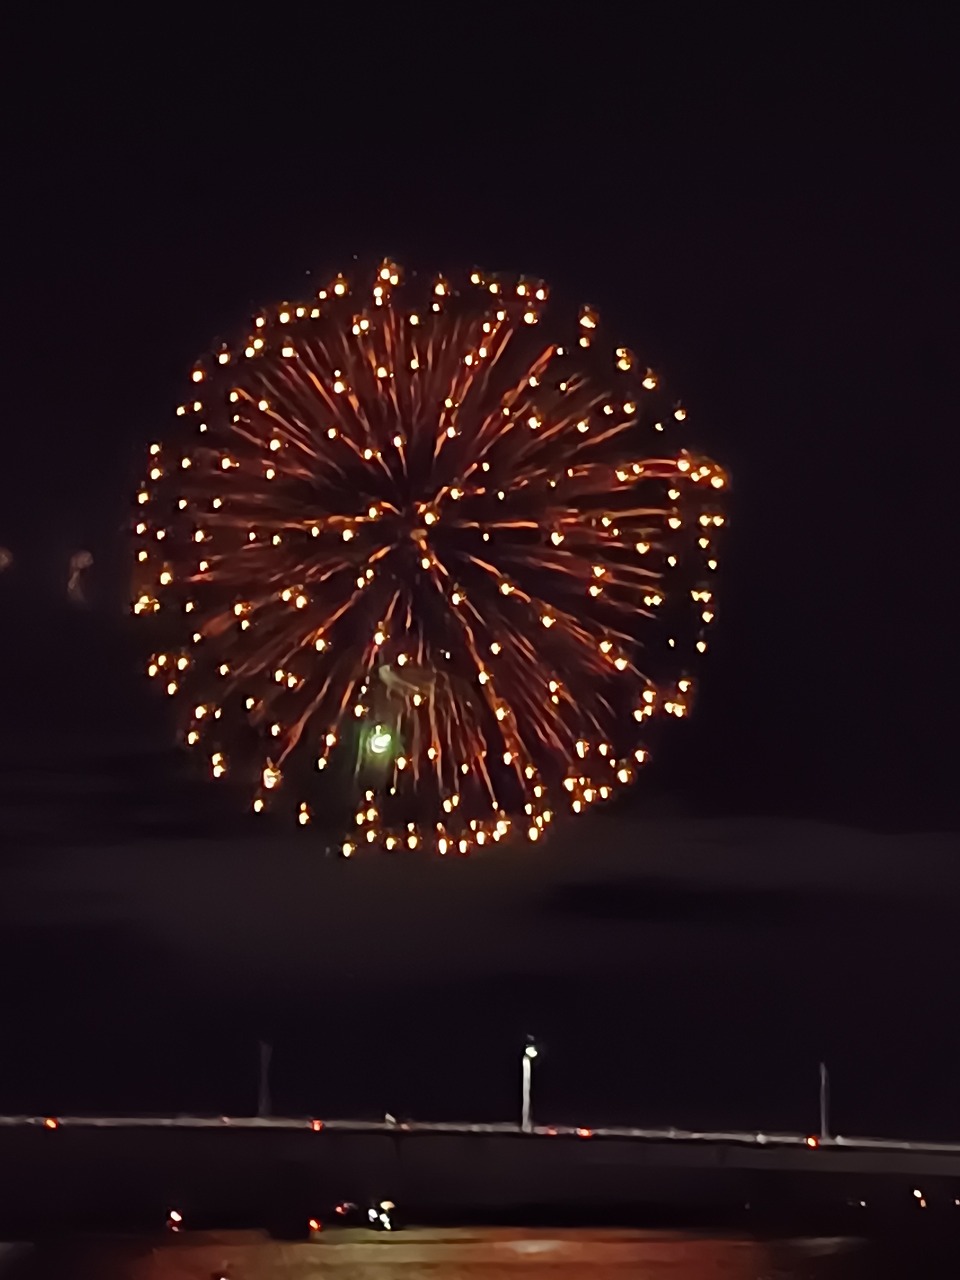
(760, 208)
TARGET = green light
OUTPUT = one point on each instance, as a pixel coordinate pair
(380, 740)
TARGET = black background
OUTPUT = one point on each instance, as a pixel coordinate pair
(761, 206)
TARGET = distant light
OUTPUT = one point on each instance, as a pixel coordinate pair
(316, 1125)
(51, 1123)
(812, 1141)
(380, 740)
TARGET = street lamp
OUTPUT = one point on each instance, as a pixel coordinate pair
(824, 1102)
(526, 1070)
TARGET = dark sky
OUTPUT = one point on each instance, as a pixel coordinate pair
(687, 972)
(759, 205)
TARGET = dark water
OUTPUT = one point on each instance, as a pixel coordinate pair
(494, 1254)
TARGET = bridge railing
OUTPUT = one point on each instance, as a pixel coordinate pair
(389, 1126)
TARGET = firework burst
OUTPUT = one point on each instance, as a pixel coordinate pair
(407, 549)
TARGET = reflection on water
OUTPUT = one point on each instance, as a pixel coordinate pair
(487, 1254)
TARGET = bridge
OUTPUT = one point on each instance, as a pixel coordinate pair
(221, 1169)
(935, 1157)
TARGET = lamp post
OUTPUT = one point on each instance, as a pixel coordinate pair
(824, 1102)
(526, 1069)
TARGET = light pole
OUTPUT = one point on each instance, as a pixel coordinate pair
(526, 1068)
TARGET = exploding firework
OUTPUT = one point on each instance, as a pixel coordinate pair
(409, 550)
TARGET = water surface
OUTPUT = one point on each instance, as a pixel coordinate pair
(490, 1254)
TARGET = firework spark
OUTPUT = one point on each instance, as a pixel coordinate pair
(406, 542)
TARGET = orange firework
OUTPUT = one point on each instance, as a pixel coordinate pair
(410, 551)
